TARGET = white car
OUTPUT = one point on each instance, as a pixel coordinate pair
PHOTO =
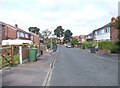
(69, 46)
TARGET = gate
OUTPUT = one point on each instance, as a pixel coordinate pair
(9, 55)
(6, 56)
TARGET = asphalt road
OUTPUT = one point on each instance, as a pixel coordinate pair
(75, 67)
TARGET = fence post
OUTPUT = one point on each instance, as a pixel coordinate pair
(20, 51)
(12, 54)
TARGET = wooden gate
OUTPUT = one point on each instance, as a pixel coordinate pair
(6, 56)
(9, 55)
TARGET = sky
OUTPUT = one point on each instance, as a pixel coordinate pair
(79, 16)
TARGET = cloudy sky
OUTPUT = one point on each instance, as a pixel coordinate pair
(80, 16)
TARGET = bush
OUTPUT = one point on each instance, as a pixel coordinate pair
(106, 45)
(48, 46)
(88, 44)
(74, 41)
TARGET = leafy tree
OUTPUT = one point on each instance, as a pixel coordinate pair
(34, 30)
(46, 33)
(67, 35)
(74, 41)
(59, 32)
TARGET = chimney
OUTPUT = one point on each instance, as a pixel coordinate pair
(112, 19)
(16, 25)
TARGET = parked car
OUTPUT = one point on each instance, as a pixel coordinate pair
(69, 46)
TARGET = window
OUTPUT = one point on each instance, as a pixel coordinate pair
(21, 34)
(18, 34)
(26, 36)
(107, 30)
(95, 32)
(31, 37)
(102, 31)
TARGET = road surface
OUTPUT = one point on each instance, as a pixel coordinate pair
(75, 67)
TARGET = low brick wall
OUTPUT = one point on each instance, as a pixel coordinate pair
(104, 51)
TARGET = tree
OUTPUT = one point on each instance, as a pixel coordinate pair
(59, 32)
(74, 41)
(46, 33)
(34, 30)
(67, 35)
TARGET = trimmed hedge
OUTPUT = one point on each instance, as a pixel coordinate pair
(85, 45)
(108, 45)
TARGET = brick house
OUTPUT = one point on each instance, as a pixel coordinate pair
(2, 32)
(107, 33)
(82, 38)
(13, 32)
(89, 37)
(35, 38)
(102, 33)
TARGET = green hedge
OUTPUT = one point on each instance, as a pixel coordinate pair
(108, 45)
(48, 46)
(88, 44)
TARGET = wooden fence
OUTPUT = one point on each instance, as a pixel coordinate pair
(9, 54)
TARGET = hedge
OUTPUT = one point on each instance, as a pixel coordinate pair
(88, 44)
(108, 45)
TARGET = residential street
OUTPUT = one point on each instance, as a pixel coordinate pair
(75, 67)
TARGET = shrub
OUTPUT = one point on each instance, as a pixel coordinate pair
(74, 41)
(106, 45)
(48, 46)
(88, 44)
(109, 45)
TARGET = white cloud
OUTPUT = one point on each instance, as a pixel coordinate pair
(80, 16)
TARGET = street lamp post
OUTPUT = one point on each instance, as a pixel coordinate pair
(51, 43)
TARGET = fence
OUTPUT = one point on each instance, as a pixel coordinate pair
(10, 54)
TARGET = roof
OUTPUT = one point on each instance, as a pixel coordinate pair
(13, 27)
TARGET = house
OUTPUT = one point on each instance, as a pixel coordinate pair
(13, 32)
(89, 37)
(106, 33)
(82, 38)
(35, 38)
(2, 32)
(102, 33)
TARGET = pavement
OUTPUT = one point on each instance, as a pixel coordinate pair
(28, 74)
(106, 55)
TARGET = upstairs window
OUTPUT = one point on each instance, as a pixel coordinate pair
(22, 34)
(26, 36)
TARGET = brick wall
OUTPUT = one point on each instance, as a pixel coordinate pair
(1, 33)
(36, 39)
(114, 31)
(11, 33)
(114, 34)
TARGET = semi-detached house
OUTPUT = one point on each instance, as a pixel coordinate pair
(106, 33)
(13, 32)
(102, 33)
